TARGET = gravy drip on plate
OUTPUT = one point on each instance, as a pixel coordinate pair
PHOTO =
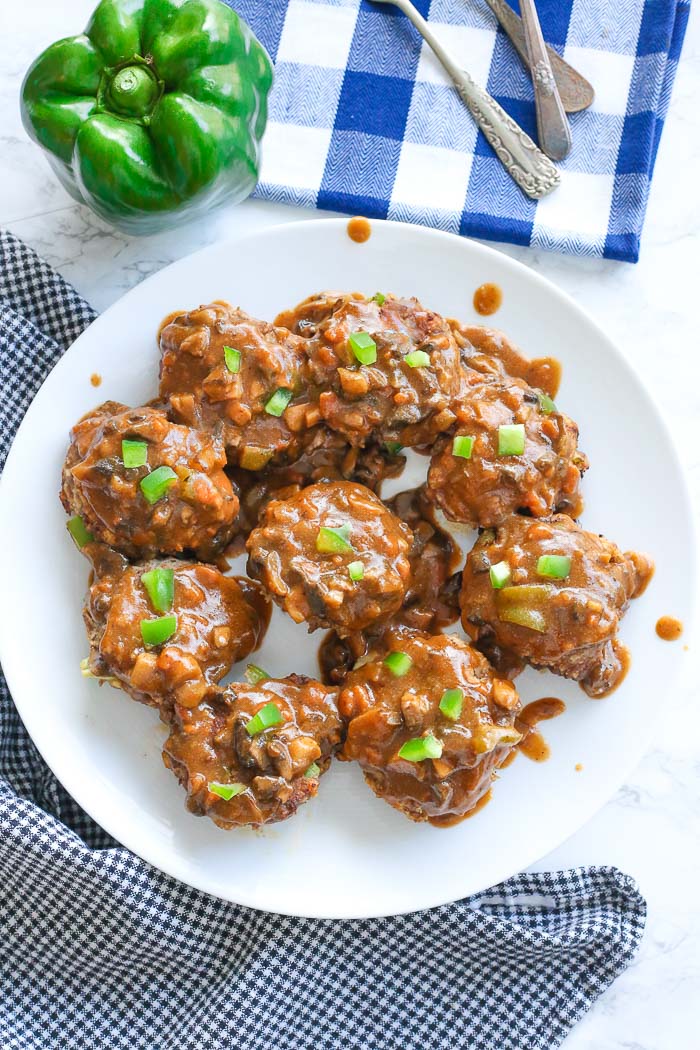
(359, 229)
(669, 629)
(533, 745)
(488, 299)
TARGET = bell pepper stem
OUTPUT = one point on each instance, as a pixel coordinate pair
(132, 90)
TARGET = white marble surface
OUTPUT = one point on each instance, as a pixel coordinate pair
(651, 829)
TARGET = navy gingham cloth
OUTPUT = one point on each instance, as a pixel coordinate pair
(363, 119)
(99, 950)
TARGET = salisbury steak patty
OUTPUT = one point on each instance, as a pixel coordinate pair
(384, 367)
(254, 754)
(551, 594)
(511, 450)
(145, 485)
(333, 556)
(207, 621)
(224, 371)
(429, 724)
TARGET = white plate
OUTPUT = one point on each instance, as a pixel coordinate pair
(345, 854)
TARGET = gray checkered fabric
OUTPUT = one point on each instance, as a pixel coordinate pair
(98, 950)
(40, 316)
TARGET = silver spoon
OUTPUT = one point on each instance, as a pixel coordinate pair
(525, 163)
(575, 92)
(552, 126)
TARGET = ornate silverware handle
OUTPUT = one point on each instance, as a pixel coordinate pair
(524, 162)
(552, 126)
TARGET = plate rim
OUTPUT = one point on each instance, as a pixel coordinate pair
(521, 270)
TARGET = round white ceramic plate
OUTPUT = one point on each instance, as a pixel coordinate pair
(345, 854)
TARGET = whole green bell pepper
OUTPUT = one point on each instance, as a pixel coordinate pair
(154, 115)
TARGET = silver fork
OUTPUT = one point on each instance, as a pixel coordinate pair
(523, 160)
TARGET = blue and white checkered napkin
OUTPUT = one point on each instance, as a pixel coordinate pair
(364, 120)
(99, 951)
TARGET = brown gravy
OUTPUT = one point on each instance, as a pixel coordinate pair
(545, 374)
(668, 628)
(533, 745)
(645, 570)
(449, 822)
(510, 757)
(359, 229)
(167, 320)
(95, 378)
(603, 684)
(487, 299)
